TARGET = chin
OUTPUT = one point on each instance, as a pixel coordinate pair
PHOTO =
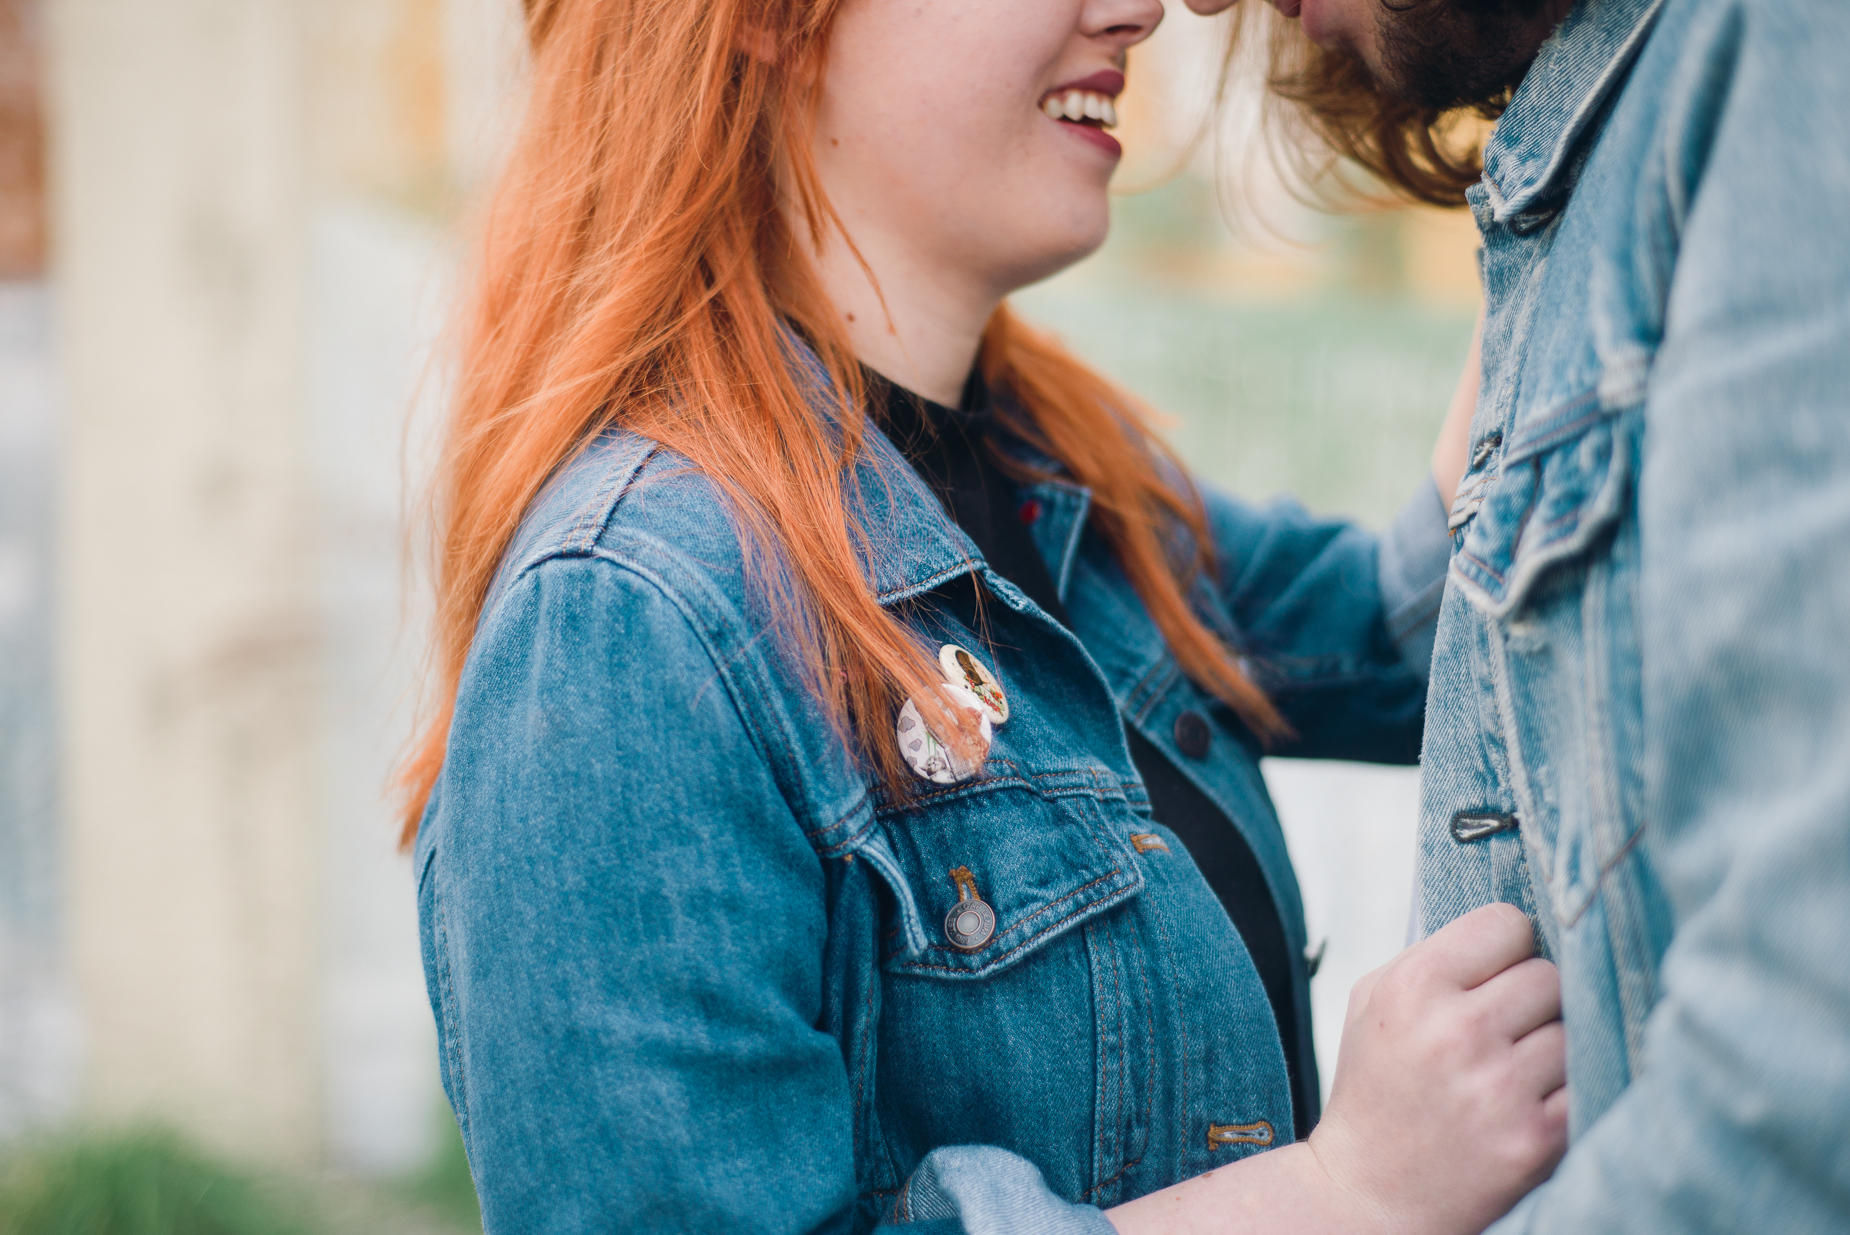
(1050, 249)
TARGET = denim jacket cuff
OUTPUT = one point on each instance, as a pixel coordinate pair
(1411, 573)
(983, 1190)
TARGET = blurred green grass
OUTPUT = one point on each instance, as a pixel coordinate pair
(152, 1181)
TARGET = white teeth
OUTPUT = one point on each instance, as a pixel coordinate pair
(1081, 105)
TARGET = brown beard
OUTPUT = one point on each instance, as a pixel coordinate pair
(1445, 54)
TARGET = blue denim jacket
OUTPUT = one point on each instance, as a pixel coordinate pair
(1640, 719)
(690, 973)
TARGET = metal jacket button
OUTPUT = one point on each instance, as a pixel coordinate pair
(1470, 825)
(1485, 449)
(971, 921)
(1192, 734)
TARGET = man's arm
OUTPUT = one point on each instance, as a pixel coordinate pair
(1737, 1120)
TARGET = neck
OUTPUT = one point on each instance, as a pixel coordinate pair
(926, 335)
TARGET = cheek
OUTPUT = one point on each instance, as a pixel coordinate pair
(1047, 203)
(949, 149)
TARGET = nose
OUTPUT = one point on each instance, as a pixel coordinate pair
(1120, 23)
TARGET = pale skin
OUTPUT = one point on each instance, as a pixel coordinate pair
(1351, 25)
(934, 145)
(958, 202)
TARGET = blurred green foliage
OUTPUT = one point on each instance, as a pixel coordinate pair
(1334, 398)
(1331, 390)
(150, 1181)
(445, 1187)
(143, 1182)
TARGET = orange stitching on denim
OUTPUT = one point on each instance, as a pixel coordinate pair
(1156, 914)
(867, 1052)
(966, 883)
(1222, 1135)
(1149, 1089)
(1101, 785)
(845, 817)
(938, 947)
(1148, 842)
(1149, 1046)
(1117, 987)
(902, 1202)
(1123, 1047)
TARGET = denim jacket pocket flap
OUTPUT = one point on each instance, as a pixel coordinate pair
(1039, 862)
(1561, 484)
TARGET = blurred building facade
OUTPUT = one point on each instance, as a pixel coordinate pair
(36, 1062)
(224, 250)
(227, 255)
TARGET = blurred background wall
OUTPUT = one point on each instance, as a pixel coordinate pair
(225, 246)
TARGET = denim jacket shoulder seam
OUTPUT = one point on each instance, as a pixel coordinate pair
(765, 728)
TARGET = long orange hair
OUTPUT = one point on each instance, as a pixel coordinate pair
(636, 269)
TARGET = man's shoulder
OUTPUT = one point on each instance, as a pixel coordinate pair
(1766, 31)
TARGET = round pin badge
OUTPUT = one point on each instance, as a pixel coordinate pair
(929, 757)
(965, 670)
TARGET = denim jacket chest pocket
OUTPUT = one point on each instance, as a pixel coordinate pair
(1035, 848)
(1018, 1013)
(1549, 560)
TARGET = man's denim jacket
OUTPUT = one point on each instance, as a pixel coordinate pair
(1640, 718)
(690, 973)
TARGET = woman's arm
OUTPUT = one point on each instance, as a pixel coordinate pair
(1449, 1103)
(624, 928)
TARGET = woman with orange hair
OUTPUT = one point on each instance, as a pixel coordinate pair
(844, 805)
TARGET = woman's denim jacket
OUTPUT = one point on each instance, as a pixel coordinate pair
(1640, 718)
(689, 973)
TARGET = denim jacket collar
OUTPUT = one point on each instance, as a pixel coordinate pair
(914, 545)
(1528, 156)
(911, 545)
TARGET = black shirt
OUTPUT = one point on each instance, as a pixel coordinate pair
(946, 446)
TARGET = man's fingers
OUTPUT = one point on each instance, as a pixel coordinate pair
(1521, 998)
(1471, 950)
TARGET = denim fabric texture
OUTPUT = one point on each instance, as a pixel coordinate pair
(1639, 728)
(690, 971)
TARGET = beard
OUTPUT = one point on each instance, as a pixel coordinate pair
(1444, 54)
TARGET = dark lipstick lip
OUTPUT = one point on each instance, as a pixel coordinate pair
(1097, 137)
(1108, 82)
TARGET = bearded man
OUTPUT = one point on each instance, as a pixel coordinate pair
(1639, 721)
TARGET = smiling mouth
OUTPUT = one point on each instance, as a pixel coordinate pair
(1087, 107)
